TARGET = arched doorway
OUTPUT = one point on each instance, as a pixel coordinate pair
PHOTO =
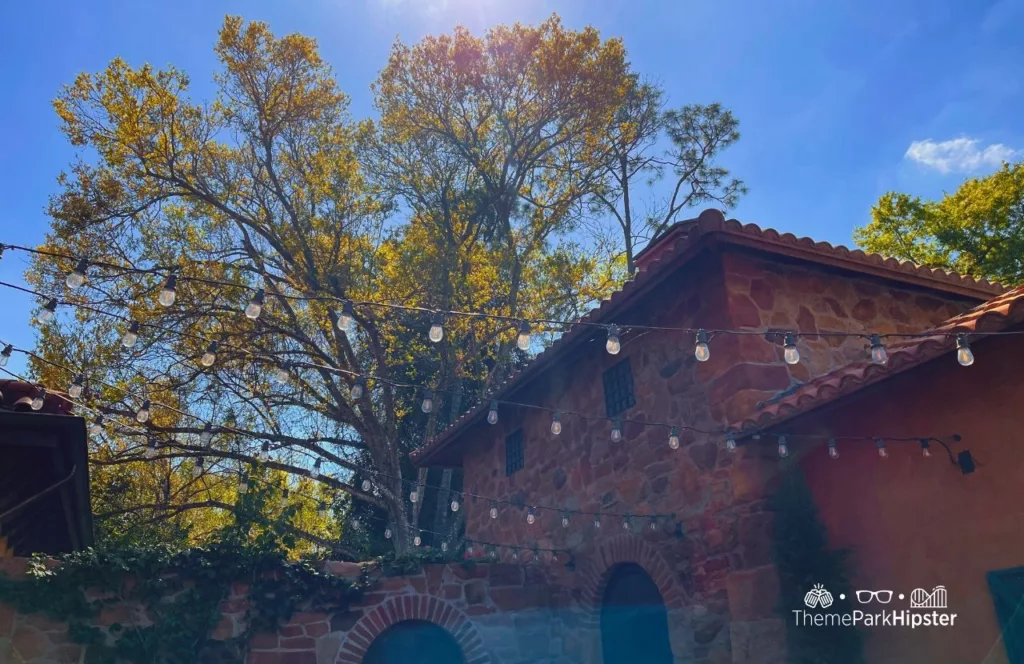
(634, 621)
(414, 641)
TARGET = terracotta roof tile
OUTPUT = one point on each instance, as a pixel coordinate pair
(992, 316)
(675, 247)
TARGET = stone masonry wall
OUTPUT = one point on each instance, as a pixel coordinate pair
(722, 565)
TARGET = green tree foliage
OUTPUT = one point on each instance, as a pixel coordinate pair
(977, 230)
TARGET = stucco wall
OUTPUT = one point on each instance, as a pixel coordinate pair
(914, 522)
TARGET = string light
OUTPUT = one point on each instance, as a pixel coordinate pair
(264, 452)
(38, 399)
(673, 438)
(625, 522)
(255, 306)
(243, 485)
(427, 405)
(492, 414)
(515, 554)
(77, 387)
(963, 351)
(789, 350)
(416, 541)
(358, 388)
(701, 350)
(437, 328)
(285, 494)
(283, 373)
(783, 447)
(314, 472)
(531, 516)
(97, 425)
(455, 503)
(355, 523)
(131, 335)
(882, 452)
(444, 547)
(413, 496)
(523, 340)
(387, 533)
(616, 435)
(210, 356)
(321, 508)
(150, 450)
(346, 316)
(142, 414)
(206, 435)
(49, 311)
(597, 520)
(556, 423)
(5, 355)
(366, 486)
(878, 354)
(925, 452)
(654, 523)
(77, 276)
(494, 510)
(169, 292)
(833, 449)
(613, 345)
(730, 442)
(197, 470)
(565, 520)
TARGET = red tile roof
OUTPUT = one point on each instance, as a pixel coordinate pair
(994, 315)
(678, 245)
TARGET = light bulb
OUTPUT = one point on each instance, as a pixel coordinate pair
(783, 447)
(469, 549)
(925, 452)
(556, 423)
(531, 516)
(355, 522)
(492, 414)
(523, 340)
(616, 434)
(963, 351)
(283, 373)
(284, 497)
(322, 508)
(142, 414)
(77, 276)
(427, 405)
(565, 520)
(345, 317)
(49, 311)
(97, 425)
(5, 355)
(367, 486)
(597, 520)
(37, 400)
(833, 450)
(455, 504)
(417, 540)
(243, 486)
(654, 524)
(515, 555)
(613, 345)
(169, 292)
(673, 438)
(730, 442)
(210, 356)
(150, 450)
(494, 511)
(197, 470)
(255, 306)
(387, 533)
(131, 335)
(314, 472)
(882, 452)
(358, 389)
(878, 354)
(444, 547)
(413, 496)
(789, 351)
(264, 452)
(625, 523)
(437, 328)
(701, 351)
(77, 387)
(207, 434)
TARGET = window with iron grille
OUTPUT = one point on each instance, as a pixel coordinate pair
(513, 452)
(618, 389)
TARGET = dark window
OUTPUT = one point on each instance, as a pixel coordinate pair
(618, 389)
(513, 451)
(1007, 586)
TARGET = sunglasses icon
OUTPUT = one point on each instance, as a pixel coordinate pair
(880, 596)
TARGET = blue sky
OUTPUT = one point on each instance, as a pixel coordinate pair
(839, 100)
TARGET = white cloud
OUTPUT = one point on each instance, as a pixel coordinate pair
(959, 155)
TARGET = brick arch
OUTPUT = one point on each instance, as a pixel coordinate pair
(630, 549)
(413, 607)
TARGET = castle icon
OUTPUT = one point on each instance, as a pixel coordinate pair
(922, 599)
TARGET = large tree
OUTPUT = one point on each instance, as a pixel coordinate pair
(976, 230)
(461, 197)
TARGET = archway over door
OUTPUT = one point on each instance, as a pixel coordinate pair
(417, 641)
(634, 621)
